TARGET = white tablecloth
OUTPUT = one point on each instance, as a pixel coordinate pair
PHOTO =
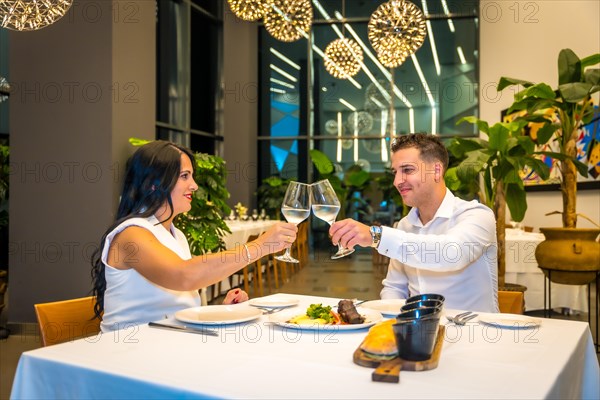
(522, 268)
(242, 230)
(258, 360)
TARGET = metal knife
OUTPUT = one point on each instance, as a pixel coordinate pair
(183, 328)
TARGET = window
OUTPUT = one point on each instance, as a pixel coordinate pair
(352, 121)
(188, 71)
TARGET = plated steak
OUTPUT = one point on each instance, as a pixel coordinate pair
(348, 312)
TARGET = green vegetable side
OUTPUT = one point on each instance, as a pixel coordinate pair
(318, 311)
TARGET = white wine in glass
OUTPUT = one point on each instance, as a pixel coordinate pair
(326, 206)
(295, 208)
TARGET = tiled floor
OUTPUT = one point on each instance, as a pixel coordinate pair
(350, 277)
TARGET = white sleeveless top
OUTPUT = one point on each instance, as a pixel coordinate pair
(131, 299)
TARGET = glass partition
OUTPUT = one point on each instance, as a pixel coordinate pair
(352, 120)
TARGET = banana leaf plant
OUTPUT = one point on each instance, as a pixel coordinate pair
(203, 225)
(499, 162)
(561, 114)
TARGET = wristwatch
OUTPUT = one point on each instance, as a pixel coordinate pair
(375, 235)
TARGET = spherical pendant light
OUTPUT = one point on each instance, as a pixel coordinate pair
(343, 58)
(392, 55)
(30, 15)
(248, 10)
(288, 20)
(397, 27)
(360, 122)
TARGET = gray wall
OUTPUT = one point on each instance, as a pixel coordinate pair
(240, 77)
(81, 87)
(520, 39)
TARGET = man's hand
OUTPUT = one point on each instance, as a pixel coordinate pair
(350, 233)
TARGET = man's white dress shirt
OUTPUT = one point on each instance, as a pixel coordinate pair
(454, 254)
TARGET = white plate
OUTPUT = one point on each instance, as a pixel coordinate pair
(511, 321)
(274, 302)
(281, 318)
(388, 307)
(218, 315)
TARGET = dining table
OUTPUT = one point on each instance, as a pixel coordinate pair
(265, 357)
(522, 269)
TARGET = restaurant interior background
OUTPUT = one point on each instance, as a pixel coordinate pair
(192, 72)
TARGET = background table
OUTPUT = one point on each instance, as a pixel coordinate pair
(240, 232)
(259, 360)
(522, 268)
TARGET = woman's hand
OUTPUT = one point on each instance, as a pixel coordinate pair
(235, 296)
(279, 237)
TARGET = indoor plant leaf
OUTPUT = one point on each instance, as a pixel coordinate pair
(482, 125)
(569, 67)
(505, 82)
(575, 92)
(498, 136)
(322, 162)
(516, 201)
(538, 166)
(592, 76)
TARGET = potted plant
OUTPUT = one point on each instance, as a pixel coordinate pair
(203, 225)
(499, 160)
(270, 195)
(355, 179)
(561, 113)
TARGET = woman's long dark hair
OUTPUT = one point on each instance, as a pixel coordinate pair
(151, 175)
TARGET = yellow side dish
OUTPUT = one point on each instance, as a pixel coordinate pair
(306, 320)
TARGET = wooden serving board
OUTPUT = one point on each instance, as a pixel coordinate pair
(389, 371)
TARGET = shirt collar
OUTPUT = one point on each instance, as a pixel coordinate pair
(445, 210)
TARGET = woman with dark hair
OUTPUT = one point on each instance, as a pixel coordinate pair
(143, 270)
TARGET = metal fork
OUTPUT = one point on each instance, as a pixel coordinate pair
(462, 318)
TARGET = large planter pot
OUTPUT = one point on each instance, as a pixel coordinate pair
(569, 256)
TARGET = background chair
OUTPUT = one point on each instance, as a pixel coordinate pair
(63, 321)
(511, 302)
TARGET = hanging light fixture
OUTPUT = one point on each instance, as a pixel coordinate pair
(396, 29)
(30, 15)
(288, 20)
(248, 10)
(343, 58)
(391, 59)
(392, 56)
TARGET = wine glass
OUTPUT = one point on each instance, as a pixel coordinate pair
(295, 208)
(517, 226)
(326, 206)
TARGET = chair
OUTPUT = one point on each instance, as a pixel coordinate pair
(379, 260)
(301, 243)
(246, 274)
(63, 321)
(511, 302)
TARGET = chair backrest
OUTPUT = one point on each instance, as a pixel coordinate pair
(63, 321)
(511, 302)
